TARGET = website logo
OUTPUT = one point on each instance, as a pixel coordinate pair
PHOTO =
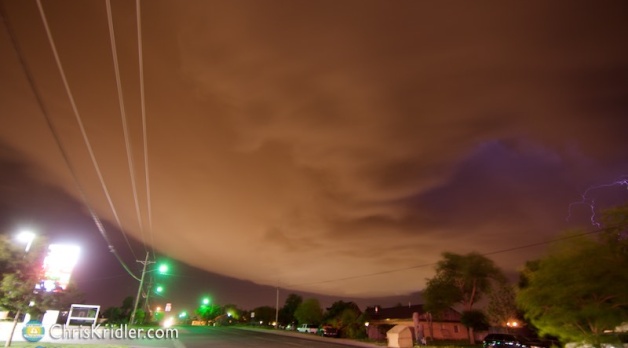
(33, 331)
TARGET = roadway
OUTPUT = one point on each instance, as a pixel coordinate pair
(229, 337)
(217, 337)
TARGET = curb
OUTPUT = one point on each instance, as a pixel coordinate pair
(313, 337)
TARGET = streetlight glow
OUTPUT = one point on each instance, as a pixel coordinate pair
(163, 268)
(26, 237)
(512, 323)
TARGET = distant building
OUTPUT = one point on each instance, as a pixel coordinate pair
(446, 327)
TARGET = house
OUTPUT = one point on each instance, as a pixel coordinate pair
(445, 327)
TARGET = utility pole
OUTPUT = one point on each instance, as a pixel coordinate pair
(139, 290)
(277, 309)
(148, 291)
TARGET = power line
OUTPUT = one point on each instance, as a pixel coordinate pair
(127, 142)
(140, 55)
(80, 122)
(55, 134)
(435, 263)
(94, 280)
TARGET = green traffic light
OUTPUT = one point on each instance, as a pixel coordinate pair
(163, 268)
(159, 289)
(183, 315)
(206, 301)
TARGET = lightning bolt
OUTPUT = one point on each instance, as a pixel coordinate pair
(590, 202)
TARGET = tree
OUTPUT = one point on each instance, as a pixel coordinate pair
(474, 319)
(338, 307)
(63, 300)
(232, 311)
(346, 316)
(9, 256)
(127, 307)
(140, 316)
(615, 232)
(265, 314)
(113, 315)
(440, 294)
(209, 311)
(20, 273)
(309, 312)
(286, 313)
(579, 289)
(461, 279)
(122, 314)
(501, 305)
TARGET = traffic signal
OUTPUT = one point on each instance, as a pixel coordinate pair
(163, 268)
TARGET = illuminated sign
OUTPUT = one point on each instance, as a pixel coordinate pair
(58, 266)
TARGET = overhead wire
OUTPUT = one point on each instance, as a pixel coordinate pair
(80, 123)
(500, 251)
(127, 142)
(140, 53)
(95, 280)
(40, 103)
(142, 95)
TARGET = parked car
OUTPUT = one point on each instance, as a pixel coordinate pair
(328, 331)
(514, 341)
(308, 328)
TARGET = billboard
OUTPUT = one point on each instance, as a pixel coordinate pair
(58, 266)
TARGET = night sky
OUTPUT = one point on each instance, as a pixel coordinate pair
(327, 147)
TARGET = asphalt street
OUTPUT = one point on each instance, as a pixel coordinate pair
(219, 337)
(229, 337)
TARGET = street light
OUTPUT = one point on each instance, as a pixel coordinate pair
(26, 237)
(512, 323)
(163, 268)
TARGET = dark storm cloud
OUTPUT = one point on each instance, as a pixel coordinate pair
(351, 138)
(56, 217)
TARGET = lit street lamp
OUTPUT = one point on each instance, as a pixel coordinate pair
(26, 237)
(163, 268)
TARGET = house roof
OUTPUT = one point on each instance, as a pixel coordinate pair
(405, 313)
